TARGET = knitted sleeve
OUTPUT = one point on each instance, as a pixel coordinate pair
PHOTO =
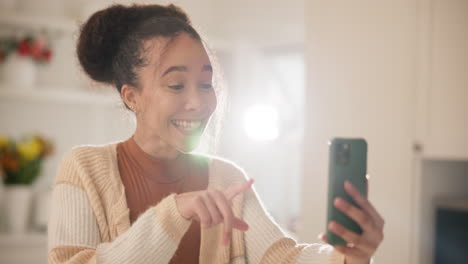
(267, 243)
(74, 233)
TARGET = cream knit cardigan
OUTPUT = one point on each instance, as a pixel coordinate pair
(89, 220)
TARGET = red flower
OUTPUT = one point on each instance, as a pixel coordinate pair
(2, 56)
(31, 46)
(10, 163)
(35, 51)
(46, 55)
(24, 48)
(38, 46)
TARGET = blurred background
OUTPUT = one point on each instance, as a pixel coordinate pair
(297, 74)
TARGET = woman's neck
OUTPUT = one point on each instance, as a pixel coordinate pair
(155, 146)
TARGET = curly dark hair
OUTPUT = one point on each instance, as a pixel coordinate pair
(110, 44)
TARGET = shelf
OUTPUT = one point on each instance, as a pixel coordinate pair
(39, 22)
(445, 158)
(453, 203)
(439, 157)
(28, 239)
(59, 95)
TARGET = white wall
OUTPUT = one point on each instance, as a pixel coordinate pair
(264, 21)
(360, 83)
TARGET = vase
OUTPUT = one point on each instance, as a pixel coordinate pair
(19, 71)
(17, 206)
(41, 205)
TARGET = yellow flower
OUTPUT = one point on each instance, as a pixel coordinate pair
(30, 149)
(3, 141)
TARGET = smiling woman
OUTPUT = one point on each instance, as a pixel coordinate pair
(174, 97)
(151, 198)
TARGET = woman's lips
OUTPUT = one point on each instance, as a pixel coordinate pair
(187, 126)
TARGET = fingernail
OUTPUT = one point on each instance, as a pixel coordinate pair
(348, 184)
(337, 201)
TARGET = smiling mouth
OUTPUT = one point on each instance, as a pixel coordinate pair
(187, 126)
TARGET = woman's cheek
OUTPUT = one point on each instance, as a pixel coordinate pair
(214, 103)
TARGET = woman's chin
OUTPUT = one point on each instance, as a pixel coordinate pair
(189, 144)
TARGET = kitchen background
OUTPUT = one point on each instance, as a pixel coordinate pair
(297, 73)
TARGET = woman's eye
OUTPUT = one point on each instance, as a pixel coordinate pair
(206, 86)
(181, 86)
(176, 87)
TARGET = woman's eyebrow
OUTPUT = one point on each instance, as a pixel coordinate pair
(175, 68)
(181, 68)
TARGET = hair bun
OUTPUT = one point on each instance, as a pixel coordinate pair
(102, 34)
(99, 40)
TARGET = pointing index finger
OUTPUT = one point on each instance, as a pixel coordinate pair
(234, 190)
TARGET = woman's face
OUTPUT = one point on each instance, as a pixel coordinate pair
(176, 97)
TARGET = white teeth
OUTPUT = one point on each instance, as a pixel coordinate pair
(186, 125)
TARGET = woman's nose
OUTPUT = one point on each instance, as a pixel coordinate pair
(193, 100)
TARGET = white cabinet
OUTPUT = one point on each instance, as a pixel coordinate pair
(443, 79)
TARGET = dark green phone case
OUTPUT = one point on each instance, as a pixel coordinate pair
(348, 161)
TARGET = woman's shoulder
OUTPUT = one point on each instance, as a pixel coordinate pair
(85, 153)
(82, 160)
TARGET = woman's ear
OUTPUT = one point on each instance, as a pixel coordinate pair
(129, 95)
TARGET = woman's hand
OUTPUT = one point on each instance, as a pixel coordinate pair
(361, 247)
(211, 207)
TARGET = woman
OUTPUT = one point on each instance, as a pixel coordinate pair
(148, 199)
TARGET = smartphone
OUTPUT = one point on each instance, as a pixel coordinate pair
(348, 161)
